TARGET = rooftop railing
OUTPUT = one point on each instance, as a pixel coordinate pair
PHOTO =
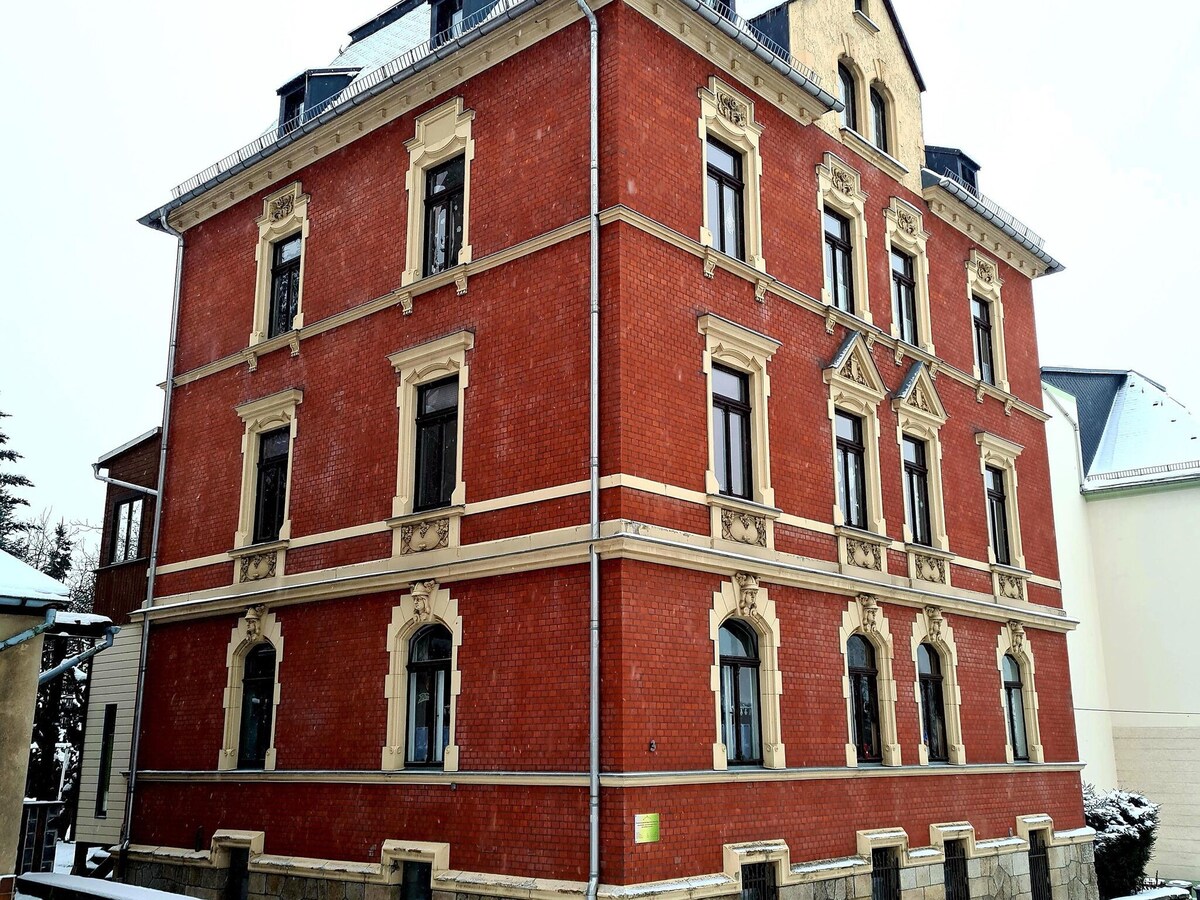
(994, 209)
(281, 132)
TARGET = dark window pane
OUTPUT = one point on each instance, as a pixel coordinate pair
(271, 486)
(885, 874)
(428, 695)
(738, 640)
(725, 187)
(437, 444)
(879, 120)
(846, 93)
(741, 728)
(258, 697)
(957, 884)
(443, 215)
(731, 431)
(933, 706)
(1014, 701)
(916, 491)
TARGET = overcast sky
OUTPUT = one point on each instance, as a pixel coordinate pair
(1084, 123)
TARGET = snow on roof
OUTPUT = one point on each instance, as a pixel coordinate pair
(381, 47)
(1142, 435)
(81, 619)
(42, 884)
(19, 581)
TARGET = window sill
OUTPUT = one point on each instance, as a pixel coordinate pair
(125, 562)
(411, 286)
(743, 522)
(254, 562)
(252, 354)
(1009, 582)
(858, 550)
(865, 21)
(431, 529)
(928, 565)
(873, 154)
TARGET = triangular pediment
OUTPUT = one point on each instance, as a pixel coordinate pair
(918, 394)
(854, 366)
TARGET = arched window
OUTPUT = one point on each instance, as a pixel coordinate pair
(428, 696)
(1014, 707)
(741, 721)
(879, 123)
(933, 703)
(864, 698)
(847, 93)
(258, 701)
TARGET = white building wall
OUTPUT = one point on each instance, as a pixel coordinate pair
(1085, 645)
(114, 680)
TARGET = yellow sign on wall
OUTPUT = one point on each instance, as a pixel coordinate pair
(646, 828)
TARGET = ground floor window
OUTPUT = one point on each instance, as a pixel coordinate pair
(758, 882)
(885, 874)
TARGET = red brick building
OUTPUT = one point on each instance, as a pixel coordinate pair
(832, 650)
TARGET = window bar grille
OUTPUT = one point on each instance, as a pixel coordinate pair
(758, 882)
(885, 874)
(957, 885)
(1039, 866)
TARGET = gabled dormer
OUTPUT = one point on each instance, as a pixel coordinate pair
(304, 95)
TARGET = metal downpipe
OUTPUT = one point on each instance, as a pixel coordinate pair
(30, 633)
(127, 821)
(79, 659)
(593, 883)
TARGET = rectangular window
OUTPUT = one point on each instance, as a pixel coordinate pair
(127, 531)
(285, 285)
(851, 470)
(237, 879)
(981, 313)
(916, 490)
(270, 495)
(443, 215)
(885, 874)
(904, 296)
(725, 188)
(106, 754)
(997, 503)
(758, 882)
(437, 444)
(731, 431)
(839, 270)
(957, 884)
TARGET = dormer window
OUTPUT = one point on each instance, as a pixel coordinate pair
(446, 22)
(293, 109)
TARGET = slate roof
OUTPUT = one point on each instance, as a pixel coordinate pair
(1131, 431)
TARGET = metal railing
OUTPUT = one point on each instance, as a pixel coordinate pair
(995, 209)
(281, 130)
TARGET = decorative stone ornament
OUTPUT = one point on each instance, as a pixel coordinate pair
(282, 207)
(254, 617)
(257, 566)
(934, 623)
(1016, 636)
(732, 109)
(747, 591)
(869, 607)
(864, 554)
(432, 534)
(743, 528)
(421, 592)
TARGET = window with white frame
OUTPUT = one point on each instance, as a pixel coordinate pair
(998, 468)
(920, 416)
(251, 700)
(936, 690)
(430, 397)
(844, 237)
(1018, 695)
(279, 291)
(745, 678)
(732, 210)
(868, 686)
(439, 191)
(267, 456)
(424, 681)
(986, 309)
(906, 242)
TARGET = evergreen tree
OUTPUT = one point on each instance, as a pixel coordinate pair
(11, 528)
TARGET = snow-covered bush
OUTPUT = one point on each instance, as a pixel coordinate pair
(1125, 825)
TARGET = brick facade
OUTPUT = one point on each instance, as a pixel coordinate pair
(517, 805)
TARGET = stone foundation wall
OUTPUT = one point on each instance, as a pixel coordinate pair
(1001, 876)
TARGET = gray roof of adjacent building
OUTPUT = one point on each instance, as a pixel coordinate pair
(1132, 432)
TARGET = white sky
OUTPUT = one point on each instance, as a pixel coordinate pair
(1081, 114)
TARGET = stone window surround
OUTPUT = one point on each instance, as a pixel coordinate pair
(744, 599)
(1013, 641)
(931, 627)
(749, 352)
(285, 212)
(728, 116)
(864, 615)
(415, 366)
(1008, 582)
(425, 603)
(277, 410)
(442, 133)
(839, 187)
(920, 414)
(904, 230)
(257, 626)
(855, 386)
(984, 281)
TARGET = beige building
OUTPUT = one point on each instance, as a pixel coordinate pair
(1125, 475)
